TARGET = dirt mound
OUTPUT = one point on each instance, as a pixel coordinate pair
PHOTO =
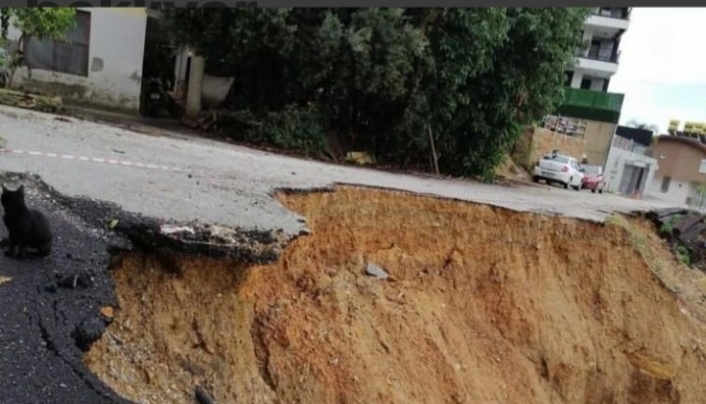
(482, 305)
(509, 170)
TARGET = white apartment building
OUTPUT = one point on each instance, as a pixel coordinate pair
(598, 60)
(589, 111)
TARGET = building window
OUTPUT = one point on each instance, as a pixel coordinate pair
(69, 56)
(586, 84)
(665, 184)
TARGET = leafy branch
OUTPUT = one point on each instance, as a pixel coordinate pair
(32, 23)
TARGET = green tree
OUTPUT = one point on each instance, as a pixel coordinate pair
(384, 78)
(37, 23)
(523, 83)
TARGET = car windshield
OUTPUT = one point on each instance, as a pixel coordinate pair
(595, 170)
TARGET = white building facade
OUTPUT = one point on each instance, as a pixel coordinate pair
(630, 168)
(598, 61)
(100, 64)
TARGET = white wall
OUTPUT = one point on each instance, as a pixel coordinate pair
(214, 89)
(677, 193)
(576, 80)
(596, 83)
(615, 165)
(607, 22)
(116, 50)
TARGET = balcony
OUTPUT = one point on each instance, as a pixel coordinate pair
(591, 105)
(603, 55)
(608, 22)
(598, 62)
(622, 13)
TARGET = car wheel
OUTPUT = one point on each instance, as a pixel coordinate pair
(535, 178)
(600, 191)
(593, 190)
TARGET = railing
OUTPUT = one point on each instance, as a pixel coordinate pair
(604, 56)
(621, 13)
(564, 125)
(623, 143)
(697, 200)
(578, 97)
(693, 135)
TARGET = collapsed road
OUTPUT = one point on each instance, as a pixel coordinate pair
(201, 198)
(54, 308)
(225, 184)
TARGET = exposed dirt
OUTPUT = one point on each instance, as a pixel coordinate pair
(510, 170)
(482, 305)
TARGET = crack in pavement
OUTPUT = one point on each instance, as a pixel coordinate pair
(39, 357)
(51, 310)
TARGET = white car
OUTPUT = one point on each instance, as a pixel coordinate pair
(560, 169)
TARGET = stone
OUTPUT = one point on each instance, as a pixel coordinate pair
(376, 271)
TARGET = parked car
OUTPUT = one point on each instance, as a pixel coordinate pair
(593, 178)
(560, 169)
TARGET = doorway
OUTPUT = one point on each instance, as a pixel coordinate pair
(632, 180)
(157, 67)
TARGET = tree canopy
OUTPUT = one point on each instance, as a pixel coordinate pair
(37, 23)
(384, 79)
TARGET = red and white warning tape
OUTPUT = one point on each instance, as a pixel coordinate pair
(92, 159)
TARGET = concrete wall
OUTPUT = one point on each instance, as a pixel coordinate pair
(214, 88)
(534, 143)
(615, 167)
(677, 192)
(598, 136)
(544, 141)
(597, 83)
(116, 50)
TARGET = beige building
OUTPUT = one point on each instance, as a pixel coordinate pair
(681, 170)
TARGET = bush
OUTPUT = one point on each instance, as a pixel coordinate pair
(293, 129)
(385, 78)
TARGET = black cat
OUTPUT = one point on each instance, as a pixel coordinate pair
(27, 228)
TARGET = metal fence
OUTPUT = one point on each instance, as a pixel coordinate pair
(697, 201)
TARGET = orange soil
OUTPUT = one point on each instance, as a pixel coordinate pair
(483, 306)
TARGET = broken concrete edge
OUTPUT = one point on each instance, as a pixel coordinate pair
(544, 212)
(134, 231)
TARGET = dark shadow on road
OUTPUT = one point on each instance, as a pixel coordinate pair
(50, 308)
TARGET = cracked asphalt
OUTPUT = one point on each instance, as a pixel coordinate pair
(51, 307)
(231, 185)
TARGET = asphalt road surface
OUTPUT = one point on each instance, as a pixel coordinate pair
(51, 307)
(226, 184)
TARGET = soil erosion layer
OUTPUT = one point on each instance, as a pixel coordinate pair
(482, 305)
